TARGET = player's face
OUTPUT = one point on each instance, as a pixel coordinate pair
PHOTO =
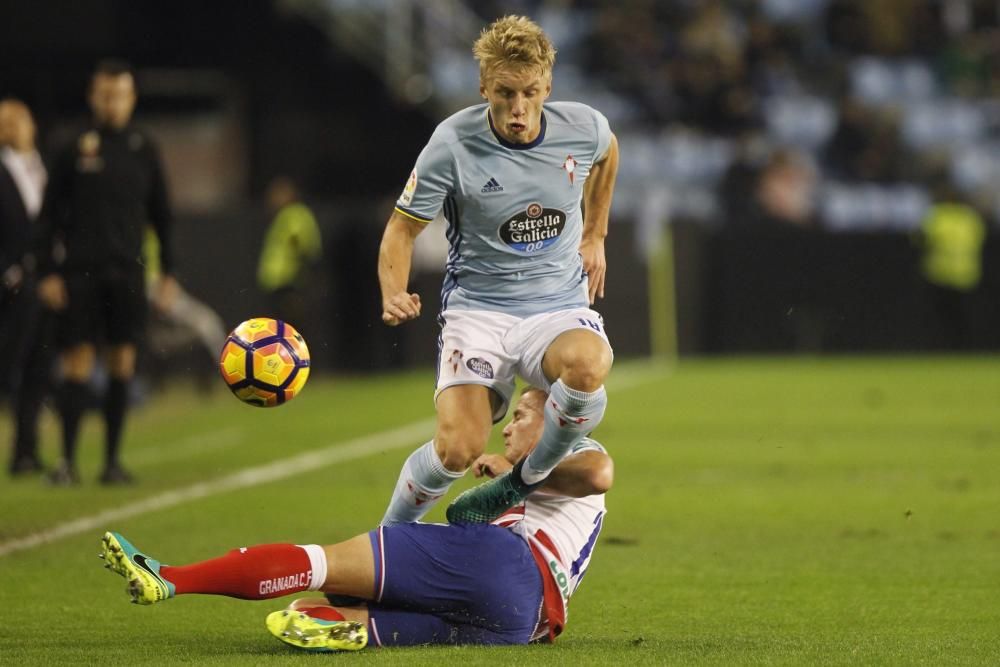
(112, 99)
(522, 433)
(515, 97)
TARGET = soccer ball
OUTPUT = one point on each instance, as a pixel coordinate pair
(265, 362)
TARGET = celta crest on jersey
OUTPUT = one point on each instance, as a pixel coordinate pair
(533, 229)
(569, 164)
(455, 359)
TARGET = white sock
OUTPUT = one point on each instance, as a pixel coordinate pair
(317, 563)
(422, 482)
(569, 416)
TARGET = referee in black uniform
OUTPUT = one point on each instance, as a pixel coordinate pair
(103, 191)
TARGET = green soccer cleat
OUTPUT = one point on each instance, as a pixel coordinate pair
(316, 634)
(486, 502)
(145, 585)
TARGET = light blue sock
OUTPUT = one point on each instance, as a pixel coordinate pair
(569, 416)
(422, 482)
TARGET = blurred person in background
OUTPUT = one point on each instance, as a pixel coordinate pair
(104, 189)
(951, 237)
(291, 246)
(526, 187)
(739, 182)
(712, 30)
(786, 190)
(768, 188)
(866, 146)
(24, 325)
(185, 323)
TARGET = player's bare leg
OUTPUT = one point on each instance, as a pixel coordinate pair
(464, 420)
(77, 364)
(350, 568)
(577, 362)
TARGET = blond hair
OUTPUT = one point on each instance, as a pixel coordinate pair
(514, 42)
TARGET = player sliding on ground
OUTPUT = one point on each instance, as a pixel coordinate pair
(502, 583)
(525, 186)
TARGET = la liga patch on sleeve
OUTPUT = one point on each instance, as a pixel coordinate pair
(411, 186)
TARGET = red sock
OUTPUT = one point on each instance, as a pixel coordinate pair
(250, 573)
(326, 613)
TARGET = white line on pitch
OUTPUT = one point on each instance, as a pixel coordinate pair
(192, 445)
(411, 434)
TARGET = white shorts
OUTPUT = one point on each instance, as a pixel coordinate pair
(490, 348)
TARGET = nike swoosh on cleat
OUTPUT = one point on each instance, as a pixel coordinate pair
(140, 560)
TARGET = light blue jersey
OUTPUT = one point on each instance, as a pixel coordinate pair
(514, 210)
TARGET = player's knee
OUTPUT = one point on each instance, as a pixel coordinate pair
(457, 447)
(585, 367)
(460, 438)
(458, 456)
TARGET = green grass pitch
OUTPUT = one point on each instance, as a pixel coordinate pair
(766, 511)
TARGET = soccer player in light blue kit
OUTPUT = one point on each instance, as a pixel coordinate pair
(526, 189)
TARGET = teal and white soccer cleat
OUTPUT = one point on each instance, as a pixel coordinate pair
(145, 585)
(486, 502)
(316, 634)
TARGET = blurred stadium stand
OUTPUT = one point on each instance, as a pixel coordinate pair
(787, 151)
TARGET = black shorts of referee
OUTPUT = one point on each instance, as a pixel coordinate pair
(106, 304)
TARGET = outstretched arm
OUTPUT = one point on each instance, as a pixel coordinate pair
(597, 193)
(51, 225)
(394, 257)
(578, 475)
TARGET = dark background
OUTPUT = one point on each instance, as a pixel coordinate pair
(286, 100)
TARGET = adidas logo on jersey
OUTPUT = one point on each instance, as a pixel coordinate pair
(492, 186)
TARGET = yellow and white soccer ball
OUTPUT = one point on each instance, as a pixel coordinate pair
(265, 362)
